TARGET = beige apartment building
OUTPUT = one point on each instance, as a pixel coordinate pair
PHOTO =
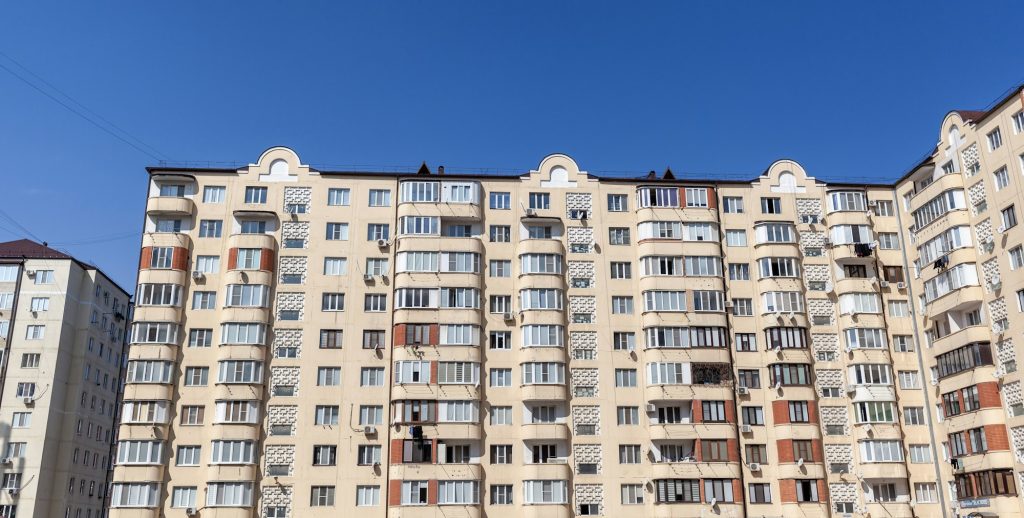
(558, 344)
(63, 327)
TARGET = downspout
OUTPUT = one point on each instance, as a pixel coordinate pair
(912, 302)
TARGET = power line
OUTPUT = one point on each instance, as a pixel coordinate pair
(80, 105)
(19, 225)
(80, 114)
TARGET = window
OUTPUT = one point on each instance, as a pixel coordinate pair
(35, 332)
(192, 415)
(995, 139)
(375, 303)
(732, 205)
(807, 490)
(618, 236)
(326, 415)
(500, 233)
(627, 415)
(500, 268)
(746, 342)
(460, 492)
(500, 201)
(622, 305)
(670, 491)
(367, 496)
(333, 302)
(621, 270)
(540, 200)
(187, 456)
(196, 376)
(1009, 218)
(713, 411)
(501, 494)
(204, 300)
(771, 206)
(501, 415)
(248, 258)
(46, 276)
(913, 416)
(739, 272)
(338, 197)
(632, 494)
(213, 194)
(760, 493)
(920, 453)
(29, 360)
(736, 238)
(337, 231)
(545, 491)
(208, 263)
(376, 231)
(143, 494)
(321, 496)
(210, 228)
(380, 198)
(625, 377)
(1001, 178)
(847, 201)
(753, 415)
(544, 373)
(618, 203)
(874, 412)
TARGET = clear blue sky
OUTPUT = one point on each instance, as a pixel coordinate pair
(851, 92)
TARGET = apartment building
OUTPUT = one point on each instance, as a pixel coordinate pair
(559, 344)
(63, 328)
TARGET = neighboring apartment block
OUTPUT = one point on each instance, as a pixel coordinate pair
(63, 326)
(558, 344)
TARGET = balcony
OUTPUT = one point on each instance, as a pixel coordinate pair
(157, 313)
(433, 471)
(440, 209)
(435, 511)
(647, 247)
(252, 241)
(417, 243)
(149, 391)
(414, 391)
(667, 470)
(870, 470)
(162, 239)
(455, 431)
(956, 300)
(688, 392)
(545, 431)
(236, 314)
(688, 354)
(541, 246)
(170, 206)
(848, 217)
(554, 469)
(855, 285)
(231, 471)
(848, 253)
(544, 393)
(898, 509)
(940, 185)
(542, 511)
(685, 431)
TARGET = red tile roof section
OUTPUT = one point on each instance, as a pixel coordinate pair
(29, 249)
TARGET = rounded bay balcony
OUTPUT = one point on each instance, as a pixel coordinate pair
(939, 186)
(855, 285)
(686, 354)
(456, 431)
(435, 279)
(153, 352)
(170, 206)
(869, 470)
(541, 317)
(447, 315)
(667, 470)
(407, 391)
(688, 392)
(435, 511)
(164, 276)
(244, 472)
(165, 239)
(848, 217)
(960, 298)
(958, 256)
(238, 391)
(677, 247)
(953, 218)
(687, 431)
(237, 431)
(139, 471)
(665, 319)
(248, 277)
(439, 471)
(848, 252)
(245, 314)
(967, 335)
(666, 282)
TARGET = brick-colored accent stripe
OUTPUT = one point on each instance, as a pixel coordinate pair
(179, 258)
(432, 492)
(988, 395)
(396, 451)
(996, 437)
(267, 260)
(785, 448)
(232, 259)
(147, 258)
(394, 492)
(780, 411)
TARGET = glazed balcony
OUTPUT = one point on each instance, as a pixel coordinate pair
(170, 206)
(690, 431)
(647, 247)
(164, 239)
(689, 392)
(440, 209)
(956, 300)
(544, 392)
(847, 252)
(939, 186)
(687, 354)
(870, 470)
(267, 241)
(418, 243)
(541, 246)
(554, 469)
(149, 391)
(157, 313)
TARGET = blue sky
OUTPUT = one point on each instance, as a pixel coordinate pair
(854, 91)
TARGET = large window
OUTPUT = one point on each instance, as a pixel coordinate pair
(790, 374)
(540, 299)
(779, 267)
(664, 300)
(957, 277)
(460, 492)
(964, 358)
(658, 196)
(875, 412)
(775, 233)
(847, 201)
(783, 301)
(938, 206)
(684, 337)
(144, 494)
(543, 373)
(850, 234)
(229, 494)
(541, 263)
(865, 338)
(674, 491)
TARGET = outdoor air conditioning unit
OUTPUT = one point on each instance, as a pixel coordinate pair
(191, 511)
(1001, 229)
(828, 242)
(197, 275)
(753, 466)
(851, 388)
(742, 391)
(6, 461)
(728, 303)
(30, 273)
(883, 284)
(509, 317)
(872, 203)
(531, 212)
(651, 407)
(370, 430)
(367, 277)
(901, 285)
(746, 428)
(382, 243)
(28, 400)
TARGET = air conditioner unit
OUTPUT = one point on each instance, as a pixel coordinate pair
(746, 428)
(367, 277)
(197, 275)
(12, 491)
(6, 461)
(191, 511)
(382, 243)
(728, 303)
(30, 273)
(531, 212)
(651, 408)
(509, 317)
(868, 428)
(753, 466)
(872, 203)
(884, 284)
(901, 285)
(851, 388)
(828, 242)
(28, 400)
(370, 430)
(742, 391)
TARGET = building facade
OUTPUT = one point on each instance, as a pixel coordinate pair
(559, 344)
(63, 328)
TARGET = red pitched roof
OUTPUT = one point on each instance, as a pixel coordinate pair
(971, 115)
(26, 248)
